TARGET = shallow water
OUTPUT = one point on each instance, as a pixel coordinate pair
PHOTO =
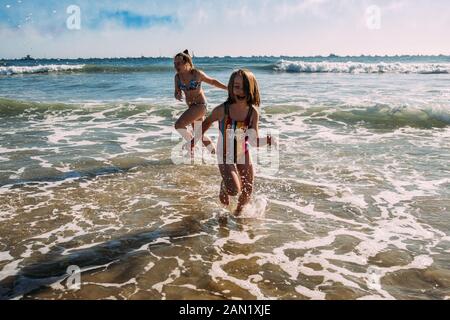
(357, 204)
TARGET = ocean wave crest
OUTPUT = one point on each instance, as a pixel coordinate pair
(89, 68)
(12, 70)
(357, 67)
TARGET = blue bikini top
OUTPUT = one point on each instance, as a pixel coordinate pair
(193, 85)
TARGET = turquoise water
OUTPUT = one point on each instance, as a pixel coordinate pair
(358, 206)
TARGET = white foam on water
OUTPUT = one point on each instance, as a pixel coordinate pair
(129, 142)
(330, 272)
(149, 266)
(309, 210)
(59, 235)
(175, 274)
(82, 143)
(63, 167)
(6, 150)
(146, 247)
(293, 268)
(373, 297)
(355, 67)
(42, 162)
(17, 174)
(10, 269)
(255, 278)
(255, 209)
(216, 271)
(313, 294)
(392, 198)
(170, 219)
(82, 247)
(112, 285)
(62, 134)
(5, 256)
(57, 285)
(56, 231)
(28, 252)
(394, 230)
(11, 70)
(240, 237)
(347, 196)
(162, 204)
(328, 135)
(326, 186)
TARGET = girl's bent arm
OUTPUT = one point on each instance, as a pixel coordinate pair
(207, 123)
(212, 81)
(213, 117)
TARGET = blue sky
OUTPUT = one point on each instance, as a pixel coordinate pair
(218, 27)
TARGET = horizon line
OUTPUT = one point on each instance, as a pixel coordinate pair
(331, 55)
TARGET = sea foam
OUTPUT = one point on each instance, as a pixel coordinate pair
(11, 70)
(357, 67)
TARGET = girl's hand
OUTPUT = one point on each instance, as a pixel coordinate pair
(272, 142)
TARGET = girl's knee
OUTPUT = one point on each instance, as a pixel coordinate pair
(233, 189)
(179, 125)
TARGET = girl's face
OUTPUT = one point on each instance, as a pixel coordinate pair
(180, 65)
(238, 89)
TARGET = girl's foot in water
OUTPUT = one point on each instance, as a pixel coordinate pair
(237, 212)
(224, 198)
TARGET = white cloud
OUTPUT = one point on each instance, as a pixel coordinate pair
(245, 27)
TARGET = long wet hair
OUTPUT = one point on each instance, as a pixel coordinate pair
(186, 58)
(251, 88)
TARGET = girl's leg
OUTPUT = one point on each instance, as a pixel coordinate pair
(195, 112)
(231, 184)
(223, 195)
(247, 177)
(207, 142)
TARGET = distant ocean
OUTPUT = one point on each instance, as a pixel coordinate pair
(359, 208)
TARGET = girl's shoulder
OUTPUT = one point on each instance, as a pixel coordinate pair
(255, 111)
(219, 112)
(197, 73)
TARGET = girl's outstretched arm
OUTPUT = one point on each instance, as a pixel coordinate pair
(211, 81)
(215, 115)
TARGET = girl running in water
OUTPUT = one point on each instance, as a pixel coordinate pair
(188, 80)
(238, 121)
